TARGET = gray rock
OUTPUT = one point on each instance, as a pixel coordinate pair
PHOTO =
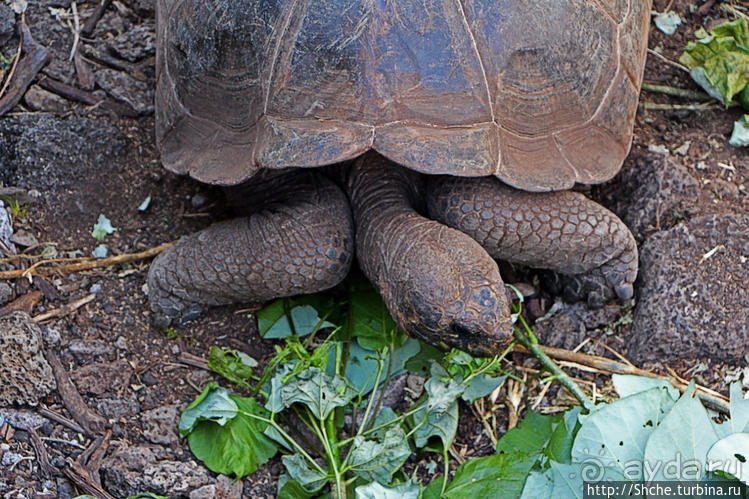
(26, 376)
(21, 419)
(24, 238)
(11, 458)
(574, 322)
(6, 293)
(39, 99)
(657, 188)
(224, 488)
(101, 378)
(51, 335)
(693, 299)
(83, 350)
(7, 23)
(117, 408)
(131, 470)
(123, 87)
(159, 424)
(6, 226)
(135, 44)
(42, 152)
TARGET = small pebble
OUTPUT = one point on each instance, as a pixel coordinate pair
(11, 458)
(95, 288)
(121, 343)
(198, 200)
(51, 336)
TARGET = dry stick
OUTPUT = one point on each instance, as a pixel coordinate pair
(90, 24)
(59, 418)
(708, 396)
(706, 106)
(675, 91)
(85, 263)
(668, 61)
(73, 93)
(35, 59)
(65, 309)
(91, 422)
(12, 68)
(48, 470)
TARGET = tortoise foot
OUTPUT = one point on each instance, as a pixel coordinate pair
(561, 231)
(299, 242)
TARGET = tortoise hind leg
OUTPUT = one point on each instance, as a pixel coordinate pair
(299, 240)
(438, 284)
(560, 231)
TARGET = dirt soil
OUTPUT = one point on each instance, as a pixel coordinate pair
(135, 374)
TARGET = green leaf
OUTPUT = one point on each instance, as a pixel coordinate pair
(311, 480)
(361, 368)
(305, 319)
(500, 475)
(371, 322)
(627, 385)
(611, 441)
(667, 22)
(273, 388)
(378, 461)
(100, 251)
(731, 455)
(421, 364)
(739, 409)
(233, 365)
(102, 227)
(291, 489)
(441, 396)
(740, 134)
(481, 386)
(678, 447)
(442, 425)
(374, 490)
(530, 436)
(559, 447)
(238, 447)
(213, 404)
(719, 62)
(320, 392)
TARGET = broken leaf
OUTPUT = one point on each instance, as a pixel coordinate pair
(100, 251)
(740, 135)
(667, 22)
(719, 62)
(145, 204)
(102, 227)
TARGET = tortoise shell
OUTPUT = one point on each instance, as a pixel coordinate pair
(540, 93)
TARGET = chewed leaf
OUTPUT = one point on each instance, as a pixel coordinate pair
(719, 62)
(667, 22)
(318, 391)
(731, 455)
(740, 135)
(378, 461)
(102, 227)
(374, 490)
(213, 404)
(240, 446)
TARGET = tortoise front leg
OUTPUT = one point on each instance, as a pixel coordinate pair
(300, 240)
(560, 231)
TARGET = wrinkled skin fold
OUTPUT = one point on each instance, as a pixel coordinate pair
(436, 274)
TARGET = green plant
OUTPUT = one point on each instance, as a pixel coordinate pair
(327, 384)
(17, 210)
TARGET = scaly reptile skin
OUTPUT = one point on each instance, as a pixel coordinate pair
(438, 283)
(560, 231)
(301, 241)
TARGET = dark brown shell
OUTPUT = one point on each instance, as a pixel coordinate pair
(540, 93)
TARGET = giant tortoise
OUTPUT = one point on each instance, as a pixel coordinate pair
(449, 124)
